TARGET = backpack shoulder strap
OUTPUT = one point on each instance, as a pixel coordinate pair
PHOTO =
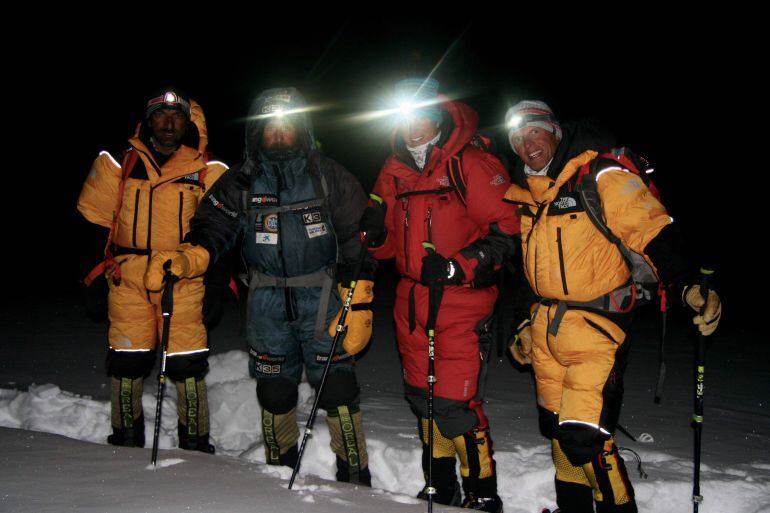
(456, 176)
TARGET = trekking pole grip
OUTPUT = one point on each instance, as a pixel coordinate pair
(705, 286)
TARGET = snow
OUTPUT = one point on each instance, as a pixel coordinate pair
(55, 456)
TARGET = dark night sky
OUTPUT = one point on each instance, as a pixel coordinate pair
(656, 86)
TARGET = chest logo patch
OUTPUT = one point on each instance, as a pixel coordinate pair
(565, 203)
(316, 230)
(311, 217)
(263, 200)
(271, 223)
(267, 238)
(443, 181)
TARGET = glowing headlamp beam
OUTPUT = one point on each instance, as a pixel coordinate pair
(280, 113)
(515, 122)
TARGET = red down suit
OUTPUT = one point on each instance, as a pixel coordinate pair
(465, 219)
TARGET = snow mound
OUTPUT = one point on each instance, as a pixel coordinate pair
(525, 475)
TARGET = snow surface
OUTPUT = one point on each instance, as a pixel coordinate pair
(41, 472)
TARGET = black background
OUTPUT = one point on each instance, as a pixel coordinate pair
(672, 89)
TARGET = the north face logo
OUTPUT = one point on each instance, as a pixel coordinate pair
(565, 203)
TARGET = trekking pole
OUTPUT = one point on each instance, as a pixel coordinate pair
(434, 301)
(700, 364)
(661, 350)
(498, 313)
(167, 308)
(338, 333)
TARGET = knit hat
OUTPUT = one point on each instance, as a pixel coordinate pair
(423, 93)
(170, 98)
(531, 113)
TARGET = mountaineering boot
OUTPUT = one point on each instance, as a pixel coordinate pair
(612, 490)
(349, 445)
(448, 490)
(343, 474)
(477, 469)
(127, 416)
(492, 504)
(280, 434)
(574, 492)
(193, 411)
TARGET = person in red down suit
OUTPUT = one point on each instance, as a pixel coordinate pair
(440, 185)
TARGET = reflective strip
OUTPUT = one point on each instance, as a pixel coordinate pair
(650, 171)
(218, 162)
(111, 158)
(131, 350)
(600, 173)
(188, 352)
(580, 422)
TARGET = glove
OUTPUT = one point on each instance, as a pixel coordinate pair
(707, 323)
(373, 223)
(359, 320)
(521, 343)
(437, 269)
(190, 261)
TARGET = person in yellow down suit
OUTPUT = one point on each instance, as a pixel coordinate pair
(576, 334)
(141, 201)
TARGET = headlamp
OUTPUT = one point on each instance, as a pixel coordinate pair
(168, 100)
(518, 121)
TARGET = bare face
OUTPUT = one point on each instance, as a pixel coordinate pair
(418, 131)
(168, 127)
(534, 146)
(279, 134)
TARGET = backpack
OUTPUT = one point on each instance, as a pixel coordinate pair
(455, 164)
(646, 283)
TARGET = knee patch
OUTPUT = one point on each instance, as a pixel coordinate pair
(548, 422)
(181, 367)
(277, 395)
(579, 442)
(130, 364)
(340, 389)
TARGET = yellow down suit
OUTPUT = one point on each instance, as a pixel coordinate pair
(577, 352)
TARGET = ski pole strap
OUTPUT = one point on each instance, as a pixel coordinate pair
(97, 271)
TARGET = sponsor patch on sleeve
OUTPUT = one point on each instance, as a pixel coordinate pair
(497, 180)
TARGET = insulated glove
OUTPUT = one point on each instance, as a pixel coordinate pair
(359, 318)
(373, 223)
(437, 269)
(521, 343)
(188, 262)
(707, 323)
